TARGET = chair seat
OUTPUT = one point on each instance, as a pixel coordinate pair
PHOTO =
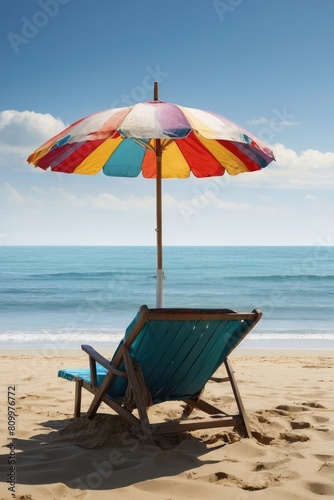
(83, 373)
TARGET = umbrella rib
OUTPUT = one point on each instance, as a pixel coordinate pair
(144, 144)
(165, 143)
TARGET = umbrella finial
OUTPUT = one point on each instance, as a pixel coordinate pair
(155, 94)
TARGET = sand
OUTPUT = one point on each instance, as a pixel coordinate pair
(288, 396)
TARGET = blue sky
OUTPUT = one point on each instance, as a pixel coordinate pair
(265, 64)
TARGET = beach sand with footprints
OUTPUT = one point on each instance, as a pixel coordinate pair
(288, 396)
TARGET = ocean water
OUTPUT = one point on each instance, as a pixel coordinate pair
(61, 297)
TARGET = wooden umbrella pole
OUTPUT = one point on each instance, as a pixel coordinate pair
(155, 91)
(159, 203)
(160, 274)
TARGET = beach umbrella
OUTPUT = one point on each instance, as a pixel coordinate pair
(158, 140)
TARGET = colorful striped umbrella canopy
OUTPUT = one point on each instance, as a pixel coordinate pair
(157, 139)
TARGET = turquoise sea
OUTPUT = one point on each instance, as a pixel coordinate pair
(61, 297)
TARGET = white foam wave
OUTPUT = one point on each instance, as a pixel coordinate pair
(60, 337)
(291, 336)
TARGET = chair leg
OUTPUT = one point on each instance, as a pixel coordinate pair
(188, 408)
(190, 405)
(77, 399)
(140, 396)
(99, 395)
(237, 397)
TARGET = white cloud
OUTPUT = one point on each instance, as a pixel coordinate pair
(279, 119)
(305, 170)
(28, 198)
(225, 205)
(265, 197)
(310, 168)
(287, 123)
(107, 201)
(258, 121)
(169, 201)
(310, 197)
(22, 131)
(13, 195)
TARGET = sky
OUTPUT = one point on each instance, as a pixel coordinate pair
(264, 64)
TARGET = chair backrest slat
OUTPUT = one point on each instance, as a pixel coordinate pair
(180, 349)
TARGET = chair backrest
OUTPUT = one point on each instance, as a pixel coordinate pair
(180, 349)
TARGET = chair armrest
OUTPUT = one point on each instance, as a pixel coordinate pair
(98, 358)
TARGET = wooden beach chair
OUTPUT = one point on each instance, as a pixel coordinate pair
(167, 355)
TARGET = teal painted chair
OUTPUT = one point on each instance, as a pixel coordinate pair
(167, 355)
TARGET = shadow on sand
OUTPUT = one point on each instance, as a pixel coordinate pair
(101, 454)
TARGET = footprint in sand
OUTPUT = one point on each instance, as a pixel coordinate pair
(262, 438)
(285, 473)
(270, 465)
(300, 425)
(293, 438)
(320, 489)
(226, 437)
(263, 420)
(229, 480)
(291, 408)
(314, 405)
(283, 413)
